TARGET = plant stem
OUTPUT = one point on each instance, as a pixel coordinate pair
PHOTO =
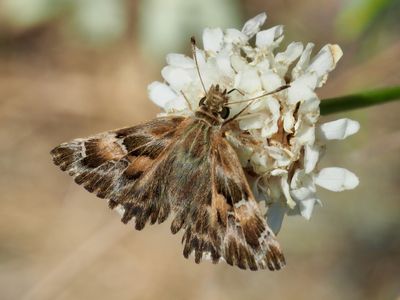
(363, 99)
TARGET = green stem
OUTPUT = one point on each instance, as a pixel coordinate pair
(363, 99)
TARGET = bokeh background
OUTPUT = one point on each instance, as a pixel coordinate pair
(71, 68)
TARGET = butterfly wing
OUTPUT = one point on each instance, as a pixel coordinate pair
(232, 226)
(109, 163)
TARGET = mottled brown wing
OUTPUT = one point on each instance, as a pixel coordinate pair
(179, 165)
(232, 226)
(108, 163)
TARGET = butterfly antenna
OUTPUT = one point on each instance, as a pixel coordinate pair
(281, 88)
(193, 42)
(235, 89)
(187, 101)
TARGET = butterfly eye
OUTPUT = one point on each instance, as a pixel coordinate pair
(224, 112)
(202, 100)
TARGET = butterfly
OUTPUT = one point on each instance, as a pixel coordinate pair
(181, 166)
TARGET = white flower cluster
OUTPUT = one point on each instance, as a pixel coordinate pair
(289, 140)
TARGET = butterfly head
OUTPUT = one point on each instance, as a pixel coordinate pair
(215, 102)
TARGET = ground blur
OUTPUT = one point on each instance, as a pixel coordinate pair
(59, 242)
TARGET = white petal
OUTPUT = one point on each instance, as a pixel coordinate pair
(270, 130)
(160, 93)
(284, 59)
(338, 130)
(336, 179)
(302, 194)
(248, 81)
(308, 79)
(309, 110)
(260, 162)
(238, 63)
(255, 122)
(305, 195)
(223, 62)
(336, 52)
(305, 134)
(177, 104)
(263, 66)
(273, 107)
(213, 39)
(325, 61)
(281, 156)
(306, 207)
(180, 61)
(275, 214)
(252, 26)
(279, 172)
(176, 77)
(211, 74)
(311, 155)
(285, 189)
(273, 185)
(270, 125)
(302, 180)
(266, 38)
(256, 106)
(270, 80)
(234, 36)
(292, 52)
(303, 62)
(248, 51)
(282, 176)
(299, 92)
(288, 121)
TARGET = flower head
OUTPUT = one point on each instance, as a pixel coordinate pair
(287, 140)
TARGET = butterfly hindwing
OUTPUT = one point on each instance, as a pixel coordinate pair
(248, 240)
(231, 227)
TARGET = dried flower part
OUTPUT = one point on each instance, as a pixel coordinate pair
(287, 139)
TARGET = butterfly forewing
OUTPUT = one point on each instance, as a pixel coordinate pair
(105, 163)
(180, 165)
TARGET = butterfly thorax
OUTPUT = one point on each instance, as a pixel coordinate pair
(212, 107)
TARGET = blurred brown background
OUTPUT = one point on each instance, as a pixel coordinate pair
(70, 68)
